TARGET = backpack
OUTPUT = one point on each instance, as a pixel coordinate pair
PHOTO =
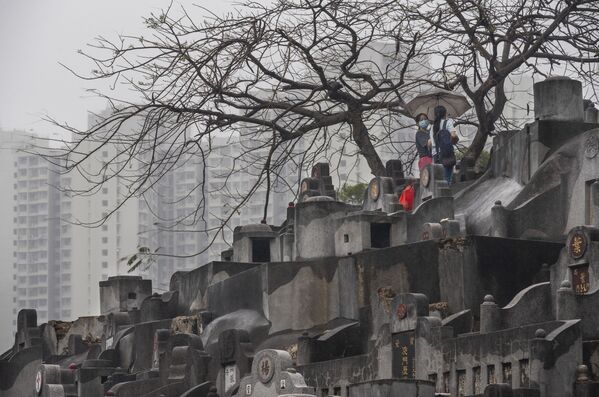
(445, 153)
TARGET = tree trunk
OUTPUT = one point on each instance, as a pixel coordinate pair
(486, 118)
(367, 150)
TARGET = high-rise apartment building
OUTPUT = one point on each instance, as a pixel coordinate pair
(10, 141)
(41, 244)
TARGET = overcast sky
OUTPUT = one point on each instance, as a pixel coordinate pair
(35, 35)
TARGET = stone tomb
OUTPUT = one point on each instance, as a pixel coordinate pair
(273, 376)
(236, 352)
(320, 183)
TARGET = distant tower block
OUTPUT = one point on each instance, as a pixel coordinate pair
(559, 99)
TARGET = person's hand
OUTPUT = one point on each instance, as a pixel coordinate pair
(454, 137)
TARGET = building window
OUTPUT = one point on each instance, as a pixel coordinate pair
(104, 265)
(104, 252)
(104, 240)
(104, 203)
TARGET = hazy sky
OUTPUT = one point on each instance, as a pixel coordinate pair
(35, 35)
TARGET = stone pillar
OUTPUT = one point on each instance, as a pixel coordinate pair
(539, 349)
(566, 302)
(432, 231)
(451, 228)
(490, 319)
(558, 98)
(582, 387)
(499, 220)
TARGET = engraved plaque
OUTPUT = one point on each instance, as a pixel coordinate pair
(266, 369)
(580, 279)
(230, 377)
(404, 355)
(577, 245)
(591, 144)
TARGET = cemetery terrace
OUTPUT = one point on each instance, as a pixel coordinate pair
(488, 287)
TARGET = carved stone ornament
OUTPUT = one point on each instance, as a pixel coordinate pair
(374, 189)
(266, 369)
(577, 245)
(402, 311)
(591, 145)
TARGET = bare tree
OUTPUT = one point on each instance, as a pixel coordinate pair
(481, 43)
(296, 81)
(293, 81)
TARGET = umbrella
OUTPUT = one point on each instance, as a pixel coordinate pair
(456, 104)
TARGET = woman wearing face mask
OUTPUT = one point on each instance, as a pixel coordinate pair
(423, 141)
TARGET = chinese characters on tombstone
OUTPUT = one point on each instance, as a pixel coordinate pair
(404, 355)
(577, 245)
(580, 279)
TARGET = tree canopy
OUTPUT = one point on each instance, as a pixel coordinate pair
(304, 80)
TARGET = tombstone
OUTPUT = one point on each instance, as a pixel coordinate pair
(76, 344)
(115, 322)
(558, 98)
(500, 217)
(578, 266)
(381, 196)
(272, 376)
(405, 311)
(187, 362)
(363, 230)
(591, 114)
(236, 354)
(28, 334)
(226, 255)
(123, 293)
(159, 306)
(92, 375)
(160, 346)
(394, 170)
(432, 183)
(255, 244)
(53, 381)
(320, 183)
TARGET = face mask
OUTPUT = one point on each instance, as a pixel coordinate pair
(423, 124)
